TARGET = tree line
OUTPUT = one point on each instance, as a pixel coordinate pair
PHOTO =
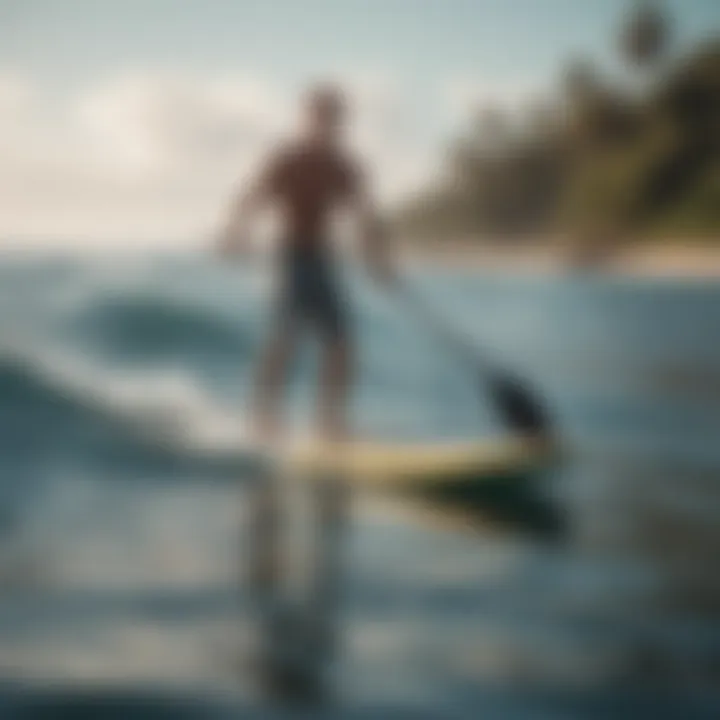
(605, 162)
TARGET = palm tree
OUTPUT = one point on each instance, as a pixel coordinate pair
(583, 93)
(645, 37)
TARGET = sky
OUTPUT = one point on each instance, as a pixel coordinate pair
(132, 121)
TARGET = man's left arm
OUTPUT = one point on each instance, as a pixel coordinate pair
(373, 230)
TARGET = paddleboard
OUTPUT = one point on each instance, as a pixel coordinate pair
(410, 465)
(497, 479)
(493, 479)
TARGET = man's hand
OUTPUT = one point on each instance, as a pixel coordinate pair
(233, 241)
(382, 269)
(231, 244)
(378, 255)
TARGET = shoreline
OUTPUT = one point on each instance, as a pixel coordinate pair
(653, 260)
(672, 259)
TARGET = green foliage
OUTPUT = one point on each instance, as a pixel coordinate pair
(601, 163)
(646, 35)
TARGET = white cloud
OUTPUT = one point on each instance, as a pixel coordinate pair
(16, 100)
(166, 123)
(150, 155)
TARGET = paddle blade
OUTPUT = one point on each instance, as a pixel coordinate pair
(519, 408)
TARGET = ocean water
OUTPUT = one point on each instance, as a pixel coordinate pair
(122, 387)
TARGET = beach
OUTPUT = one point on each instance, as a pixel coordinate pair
(684, 259)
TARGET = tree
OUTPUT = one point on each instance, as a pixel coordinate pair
(645, 37)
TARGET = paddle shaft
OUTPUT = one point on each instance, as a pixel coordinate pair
(446, 334)
(519, 407)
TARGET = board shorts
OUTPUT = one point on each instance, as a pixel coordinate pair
(311, 294)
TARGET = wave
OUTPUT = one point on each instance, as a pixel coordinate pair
(154, 327)
(56, 410)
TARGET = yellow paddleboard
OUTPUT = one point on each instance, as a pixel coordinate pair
(405, 465)
(490, 479)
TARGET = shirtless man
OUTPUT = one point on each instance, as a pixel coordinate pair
(308, 180)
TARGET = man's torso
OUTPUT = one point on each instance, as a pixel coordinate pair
(310, 183)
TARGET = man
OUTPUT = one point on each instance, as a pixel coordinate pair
(308, 181)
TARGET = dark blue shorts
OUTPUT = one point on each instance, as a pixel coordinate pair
(310, 294)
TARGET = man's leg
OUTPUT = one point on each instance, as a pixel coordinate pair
(335, 378)
(270, 382)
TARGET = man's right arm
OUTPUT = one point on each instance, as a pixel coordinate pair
(245, 206)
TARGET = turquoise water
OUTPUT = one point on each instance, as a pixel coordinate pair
(121, 547)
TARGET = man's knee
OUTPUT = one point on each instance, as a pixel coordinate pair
(337, 366)
(338, 348)
(280, 343)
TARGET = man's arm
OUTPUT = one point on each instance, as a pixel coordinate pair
(244, 208)
(373, 232)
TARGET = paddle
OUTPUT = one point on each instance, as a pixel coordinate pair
(518, 406)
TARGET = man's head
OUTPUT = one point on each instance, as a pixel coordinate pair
(325, 110)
